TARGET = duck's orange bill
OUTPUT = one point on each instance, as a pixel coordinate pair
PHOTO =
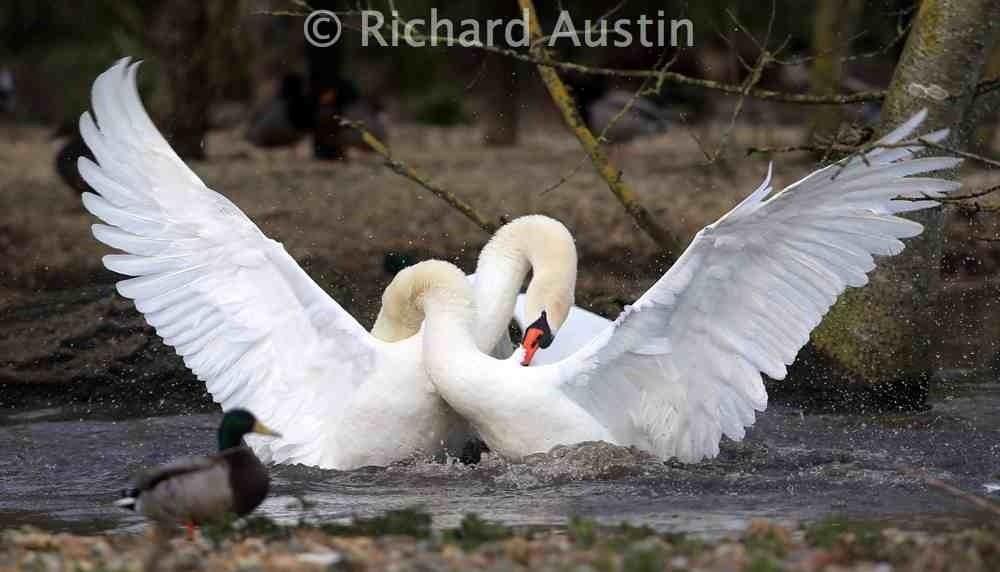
(532, 341)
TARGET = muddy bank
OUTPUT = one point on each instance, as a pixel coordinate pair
(405, 541)
(87, 349)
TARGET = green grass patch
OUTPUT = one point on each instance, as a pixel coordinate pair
(582, 531)
(231, 526)
(474, 531)
(405, 522)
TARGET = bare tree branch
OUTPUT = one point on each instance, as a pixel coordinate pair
(860, 150)
(609, 172)
(977, 500)
(404, 170)
(901, 31)
(542, 59)
(763, 59)
(602, 136)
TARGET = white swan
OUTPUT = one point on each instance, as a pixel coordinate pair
(681, 367)
(252, 325)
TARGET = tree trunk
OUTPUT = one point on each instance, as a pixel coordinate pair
(183, 30)
(833, 26)
(986, 109)
(882, 336)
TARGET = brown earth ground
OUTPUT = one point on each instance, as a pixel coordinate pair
(60, 320)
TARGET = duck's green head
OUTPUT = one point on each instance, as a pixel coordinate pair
(236, 423)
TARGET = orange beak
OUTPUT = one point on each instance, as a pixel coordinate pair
(531, 343)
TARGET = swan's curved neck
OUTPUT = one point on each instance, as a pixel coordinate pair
(443, 295)
(536, 243)
(449, 330)
(402, 310)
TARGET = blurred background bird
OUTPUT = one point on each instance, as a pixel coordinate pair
(69, 151)
(286, 118)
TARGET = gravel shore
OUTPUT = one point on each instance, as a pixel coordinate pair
(405, 540)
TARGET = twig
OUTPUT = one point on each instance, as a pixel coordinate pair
(983, 503)
(402, 169)
(752, 79)
(810, 147)
(901, 32)
(986, 86)
(609, 172)
(565, 178)
(863, 149)
(602, 136)
(958, 199)
(591, 25)
(756, 72)
(959, 152)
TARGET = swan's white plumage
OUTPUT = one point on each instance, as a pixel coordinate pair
(244, 316)
(682, 366)
(247, 320)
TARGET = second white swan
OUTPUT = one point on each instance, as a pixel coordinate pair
(682, 366)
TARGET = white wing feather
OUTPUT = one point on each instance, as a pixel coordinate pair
(681, 367)
(245, 317)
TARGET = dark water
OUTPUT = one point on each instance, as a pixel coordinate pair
(63, 474)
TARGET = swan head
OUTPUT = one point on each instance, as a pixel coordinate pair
(550, 293)
(543, 246)
(537, 335)
(551, 306)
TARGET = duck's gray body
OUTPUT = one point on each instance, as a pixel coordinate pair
(194, 490)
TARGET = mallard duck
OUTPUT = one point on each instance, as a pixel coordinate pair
(194, 490)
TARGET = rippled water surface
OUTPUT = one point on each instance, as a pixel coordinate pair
(64, 474)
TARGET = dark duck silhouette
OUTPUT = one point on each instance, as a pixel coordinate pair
(600, 105)
(642, 119)
(71, 150)
(7, 92)
(195, 490)
(343, 100)
(286, 118)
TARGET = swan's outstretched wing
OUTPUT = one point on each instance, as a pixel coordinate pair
(245, 317)
(681, 367)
